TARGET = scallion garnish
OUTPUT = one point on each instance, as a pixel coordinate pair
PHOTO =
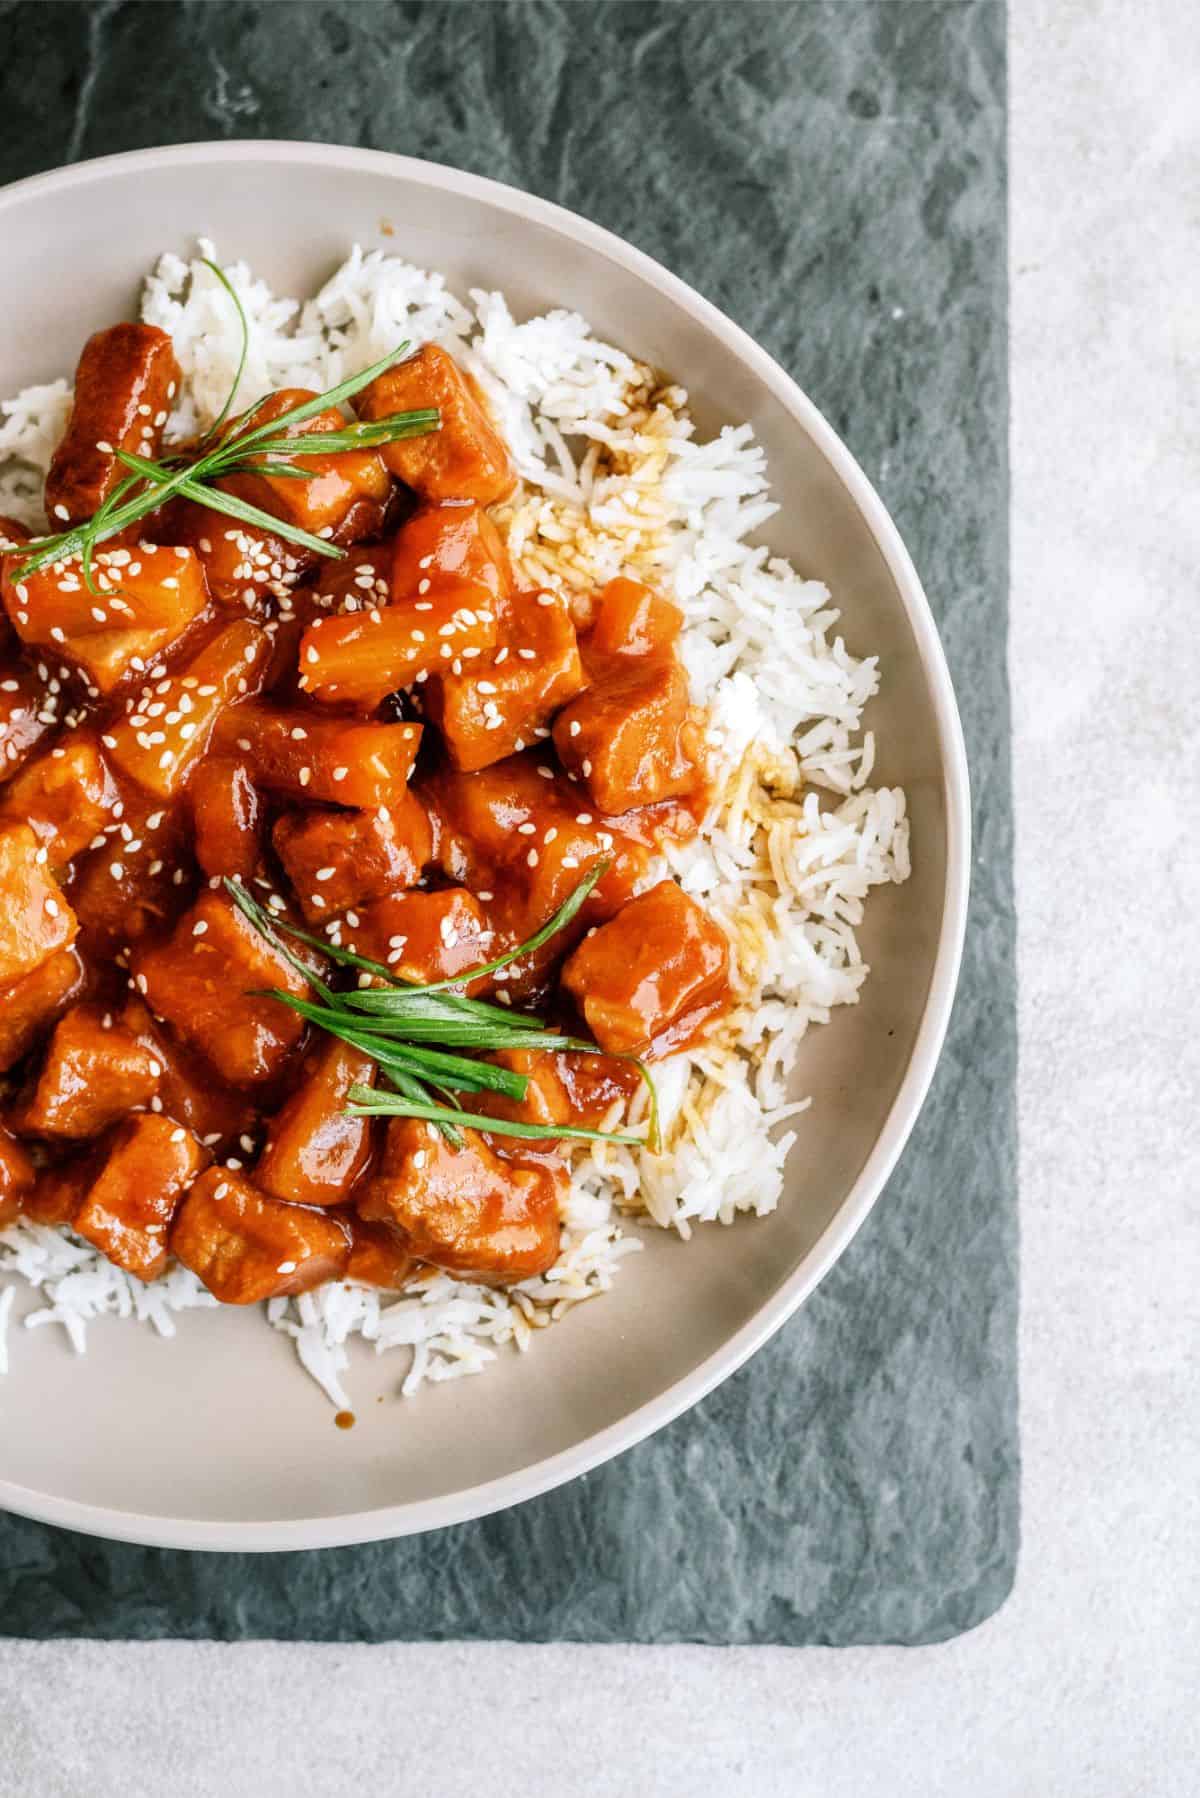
(410, 1031)
(262, 449)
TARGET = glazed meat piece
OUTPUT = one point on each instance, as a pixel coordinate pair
(137, 878)
(377, 1257)
(166, 729)
(60, 1190)
(629, 738)
(124, 385)
(344, 495)
(35, 919)
(153, 592)
(449, 547)
(492, 706)
(336, 760)
(246, 1246)
(94, 1072)
(30, 1006)
(226, 818)
(340, 861)
(136, 1190)
(188, 1090)
(361, 657)
(466, 458)
(207, 981)
(25, 718)
(17, 1176)
(242, 563)
(525, 836)
(649, 980)
(65, 793)
(423, 937)
(315, 1151)
(465, 1210)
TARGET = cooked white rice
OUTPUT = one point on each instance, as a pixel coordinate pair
(613, 481)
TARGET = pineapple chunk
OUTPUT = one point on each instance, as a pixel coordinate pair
(361, 657)
(336, 760)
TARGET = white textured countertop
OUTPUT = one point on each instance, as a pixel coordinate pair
(1085, 1683)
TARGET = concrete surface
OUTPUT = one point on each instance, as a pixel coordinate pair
(1084, 1684)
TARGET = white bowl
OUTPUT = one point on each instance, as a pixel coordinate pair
(217, 1439)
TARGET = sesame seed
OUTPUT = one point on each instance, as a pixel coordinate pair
(532, 858)
(106, 449)
(304, 776)
(575, 727)
(199, 927)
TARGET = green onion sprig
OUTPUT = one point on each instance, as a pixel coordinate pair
(249, 448)
(411, 1031)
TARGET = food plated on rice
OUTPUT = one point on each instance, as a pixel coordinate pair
(428, 824)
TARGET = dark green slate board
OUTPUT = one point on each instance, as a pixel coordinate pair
(833, 176)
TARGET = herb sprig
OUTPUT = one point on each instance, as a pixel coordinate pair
(410, 1030)
(249, 448)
